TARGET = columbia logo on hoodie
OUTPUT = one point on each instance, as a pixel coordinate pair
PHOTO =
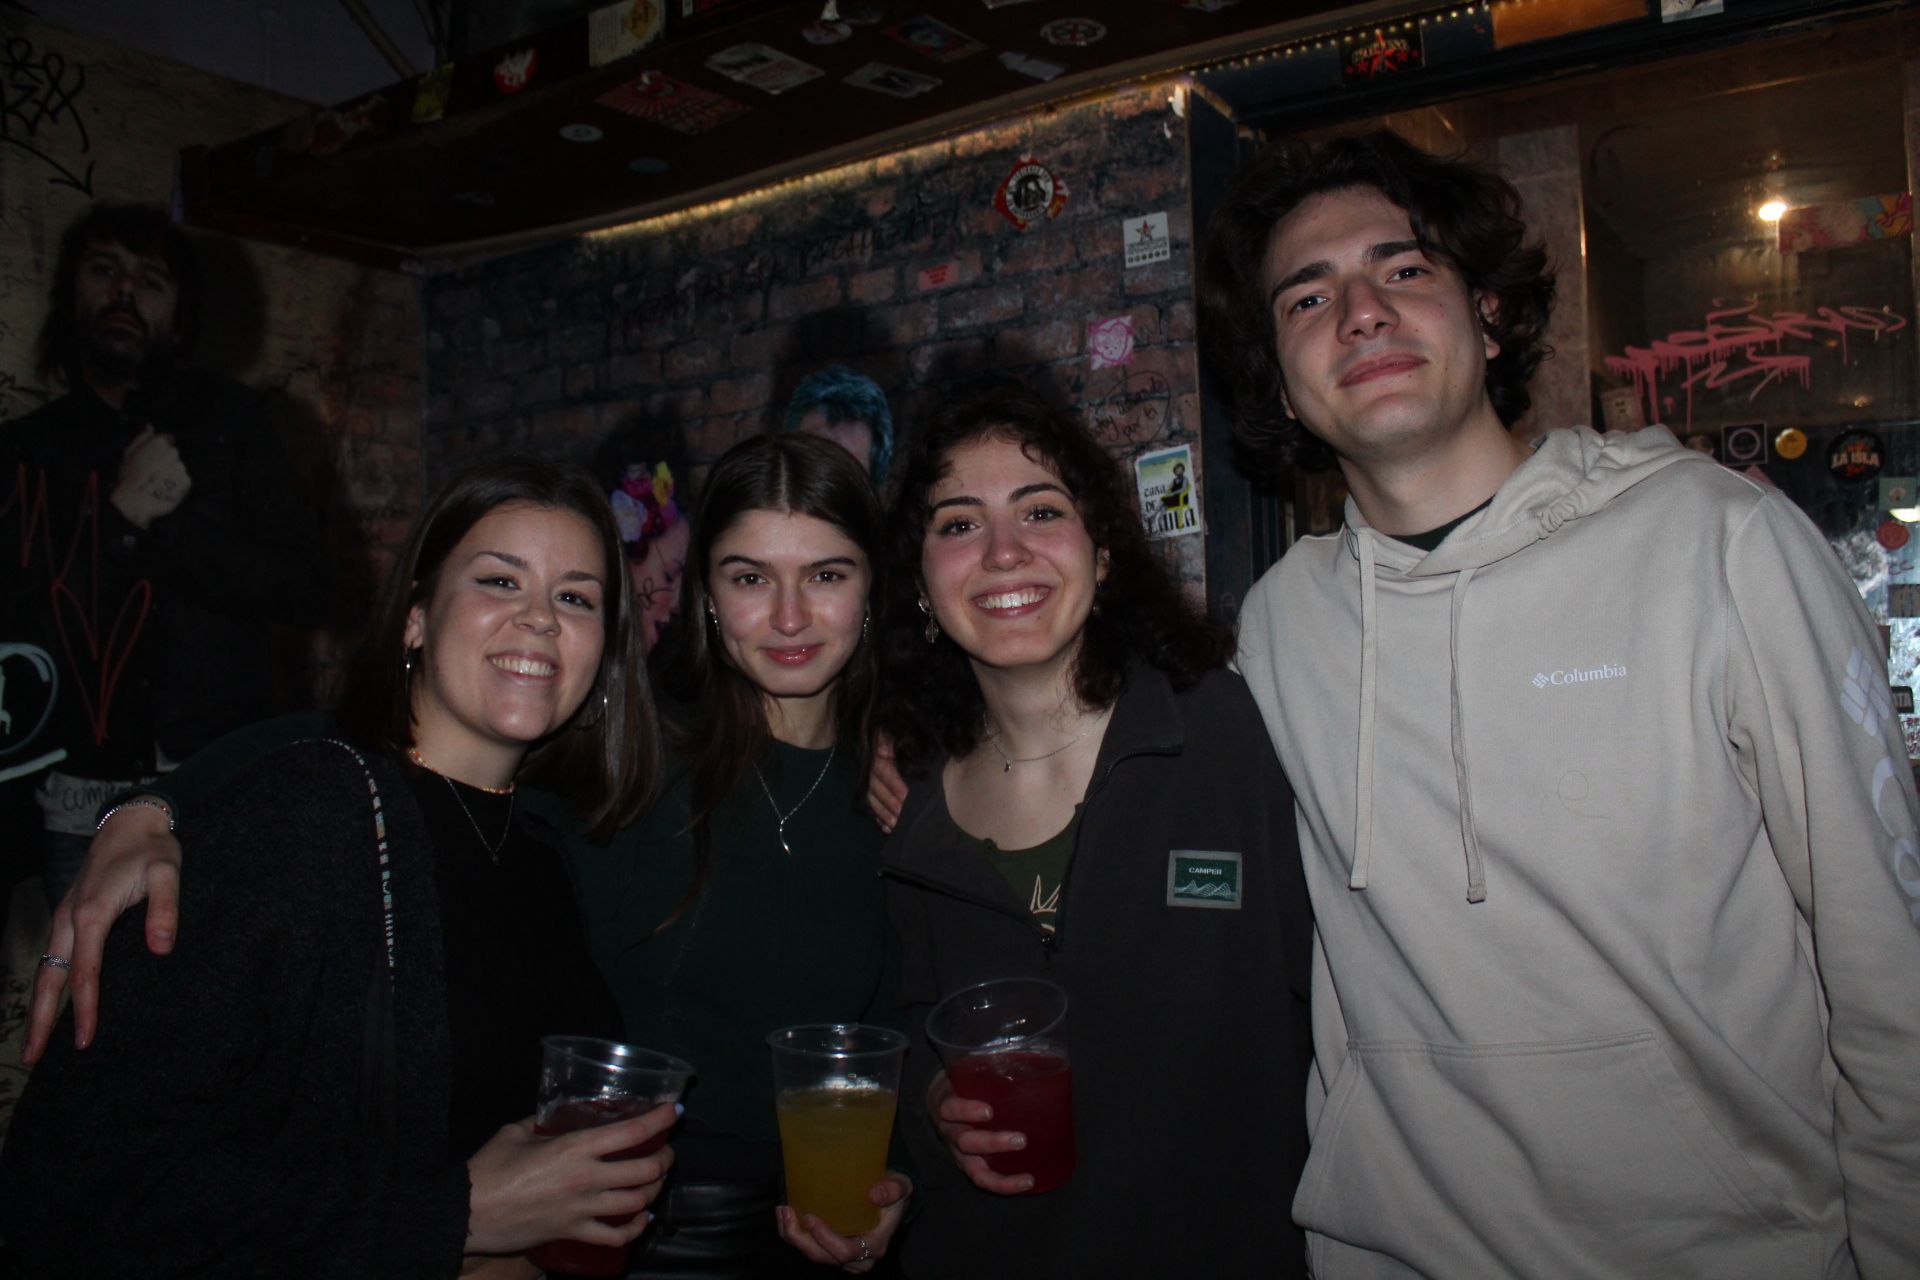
(1607, 671)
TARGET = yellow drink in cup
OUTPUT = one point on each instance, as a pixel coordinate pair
(835, 1144)
(835, 1089)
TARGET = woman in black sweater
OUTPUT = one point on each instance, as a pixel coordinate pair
(372, 945)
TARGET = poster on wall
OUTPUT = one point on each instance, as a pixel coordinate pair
(1169, 500)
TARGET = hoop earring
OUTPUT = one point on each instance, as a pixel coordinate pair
(932, 631)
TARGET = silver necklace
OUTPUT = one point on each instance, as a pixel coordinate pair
(1009, 761)
(779, 818)
(493, 850)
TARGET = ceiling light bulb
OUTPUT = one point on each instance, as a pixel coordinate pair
(1772, 210)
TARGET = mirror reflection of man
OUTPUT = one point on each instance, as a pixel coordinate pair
(150, 528)
(1606, 816)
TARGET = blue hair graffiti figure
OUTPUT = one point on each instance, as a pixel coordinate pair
(847, 407)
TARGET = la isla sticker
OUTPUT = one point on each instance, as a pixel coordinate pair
(1144, 240)
(1203, 878)
(1169, 502)
(1030, 192)
(1854, 456)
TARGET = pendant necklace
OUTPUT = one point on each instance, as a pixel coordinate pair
(780, 819)
(493, 849)
(1007, 761)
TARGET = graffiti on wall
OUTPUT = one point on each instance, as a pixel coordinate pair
(1742, 348)
(40, 115)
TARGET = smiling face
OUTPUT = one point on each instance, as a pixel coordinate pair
(1381, 347)
(124, 305)
(1008, 566)
(789, 594)
(509, 643)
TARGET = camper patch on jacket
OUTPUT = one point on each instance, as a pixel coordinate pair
(1203, 878)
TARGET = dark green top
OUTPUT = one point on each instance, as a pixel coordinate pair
(772, 941)
(1035, 873)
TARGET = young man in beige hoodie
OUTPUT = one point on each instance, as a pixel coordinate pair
(1607, 818)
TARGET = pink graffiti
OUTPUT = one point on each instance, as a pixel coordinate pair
(1726, 351)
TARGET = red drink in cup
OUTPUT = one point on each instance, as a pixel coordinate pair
(586, 1083)
(1031, 1092)
(1005, 1044)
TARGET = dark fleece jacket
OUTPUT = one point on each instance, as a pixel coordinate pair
(1187, 1024)
(220, 1124)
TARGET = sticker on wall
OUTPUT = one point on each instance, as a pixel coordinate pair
(1790, 443)
(1681, 10)
(1902, 699)
(431, 95)
(1169, 503)
(1896, 493)
(1367, 56)
(1038, 68)
(580, 133)
(938, 276)
(647, 164)
(1744, 444)
(1893, 534)
(894, 81)
(1846, 222)
(672, 104)
(1620, 410)
(1144, 240)
(333, 129)
(762, 67)
(1701, 442)
(1074, 32)
(933, 38)
(1030, 192)
(623, 28)
(515, 71)
(824, 32)
(1110, 342)
(1854, 456)
(1903, 600)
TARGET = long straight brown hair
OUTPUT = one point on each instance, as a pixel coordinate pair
(606, 756)
(727, 727)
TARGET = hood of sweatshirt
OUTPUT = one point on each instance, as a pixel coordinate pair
(1572, 474)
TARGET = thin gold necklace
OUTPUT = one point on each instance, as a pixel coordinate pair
(492, 847)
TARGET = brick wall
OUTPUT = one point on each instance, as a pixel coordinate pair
(690, 330)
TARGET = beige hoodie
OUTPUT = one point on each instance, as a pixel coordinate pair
(1611, 841)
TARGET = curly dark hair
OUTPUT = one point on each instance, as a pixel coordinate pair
(139, 228)
(932, 701)
(1463, 215)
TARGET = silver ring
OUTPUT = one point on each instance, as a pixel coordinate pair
(55, 962)
(866, 1254)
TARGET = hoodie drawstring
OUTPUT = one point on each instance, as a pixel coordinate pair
(1369, 651)
(1469, 836)
(1369, 690)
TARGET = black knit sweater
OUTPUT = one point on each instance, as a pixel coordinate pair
(223, 1122)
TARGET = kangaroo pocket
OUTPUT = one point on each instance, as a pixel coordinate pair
(1582, 1158)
